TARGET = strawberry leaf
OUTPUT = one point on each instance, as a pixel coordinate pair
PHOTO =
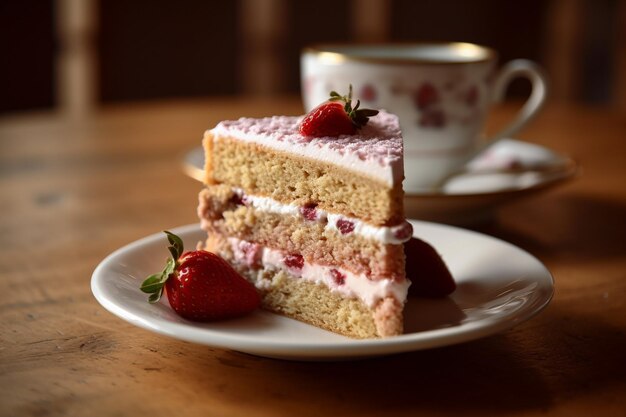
(155, 297)
(155, 283)
(368, 112)
(152, 284)
(170, 266)
(176, 248)
(359, 117)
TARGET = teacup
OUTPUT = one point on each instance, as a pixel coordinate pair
(441, 92)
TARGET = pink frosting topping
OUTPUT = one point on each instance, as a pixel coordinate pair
(379, 141)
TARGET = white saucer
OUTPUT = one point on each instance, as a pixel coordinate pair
(505, 171)
(491, 296)
(472, 196)
(468, 208)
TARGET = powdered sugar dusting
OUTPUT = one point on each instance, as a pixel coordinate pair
(376, 150)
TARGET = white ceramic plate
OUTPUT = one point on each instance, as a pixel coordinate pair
(499, 286)
(467, 199)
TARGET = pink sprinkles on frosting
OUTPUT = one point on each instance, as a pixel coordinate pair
(379, 141)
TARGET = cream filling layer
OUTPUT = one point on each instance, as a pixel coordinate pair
(337, 279)
(392, 235)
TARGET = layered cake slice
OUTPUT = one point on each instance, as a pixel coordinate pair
(315, 223)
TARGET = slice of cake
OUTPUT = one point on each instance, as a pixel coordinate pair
(316, 223)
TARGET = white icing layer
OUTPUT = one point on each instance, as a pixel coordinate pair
(376, 151)
(393, 235)
(336, 279)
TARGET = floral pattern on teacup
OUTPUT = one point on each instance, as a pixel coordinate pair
(437, 104)
(368, 93)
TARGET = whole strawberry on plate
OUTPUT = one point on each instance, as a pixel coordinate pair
(429, 275)
(200, 285)
(335, 117)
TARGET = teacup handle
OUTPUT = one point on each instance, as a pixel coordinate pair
(510, 71)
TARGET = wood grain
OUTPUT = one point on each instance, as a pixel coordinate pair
(73, 191)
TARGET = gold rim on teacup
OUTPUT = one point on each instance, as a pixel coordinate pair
(337, 53)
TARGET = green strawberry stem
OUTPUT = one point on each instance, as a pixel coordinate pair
(359, 117)
(155, 283)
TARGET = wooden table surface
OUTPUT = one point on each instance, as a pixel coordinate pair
(72, 191)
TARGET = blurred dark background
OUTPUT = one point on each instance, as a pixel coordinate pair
(59, 53)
